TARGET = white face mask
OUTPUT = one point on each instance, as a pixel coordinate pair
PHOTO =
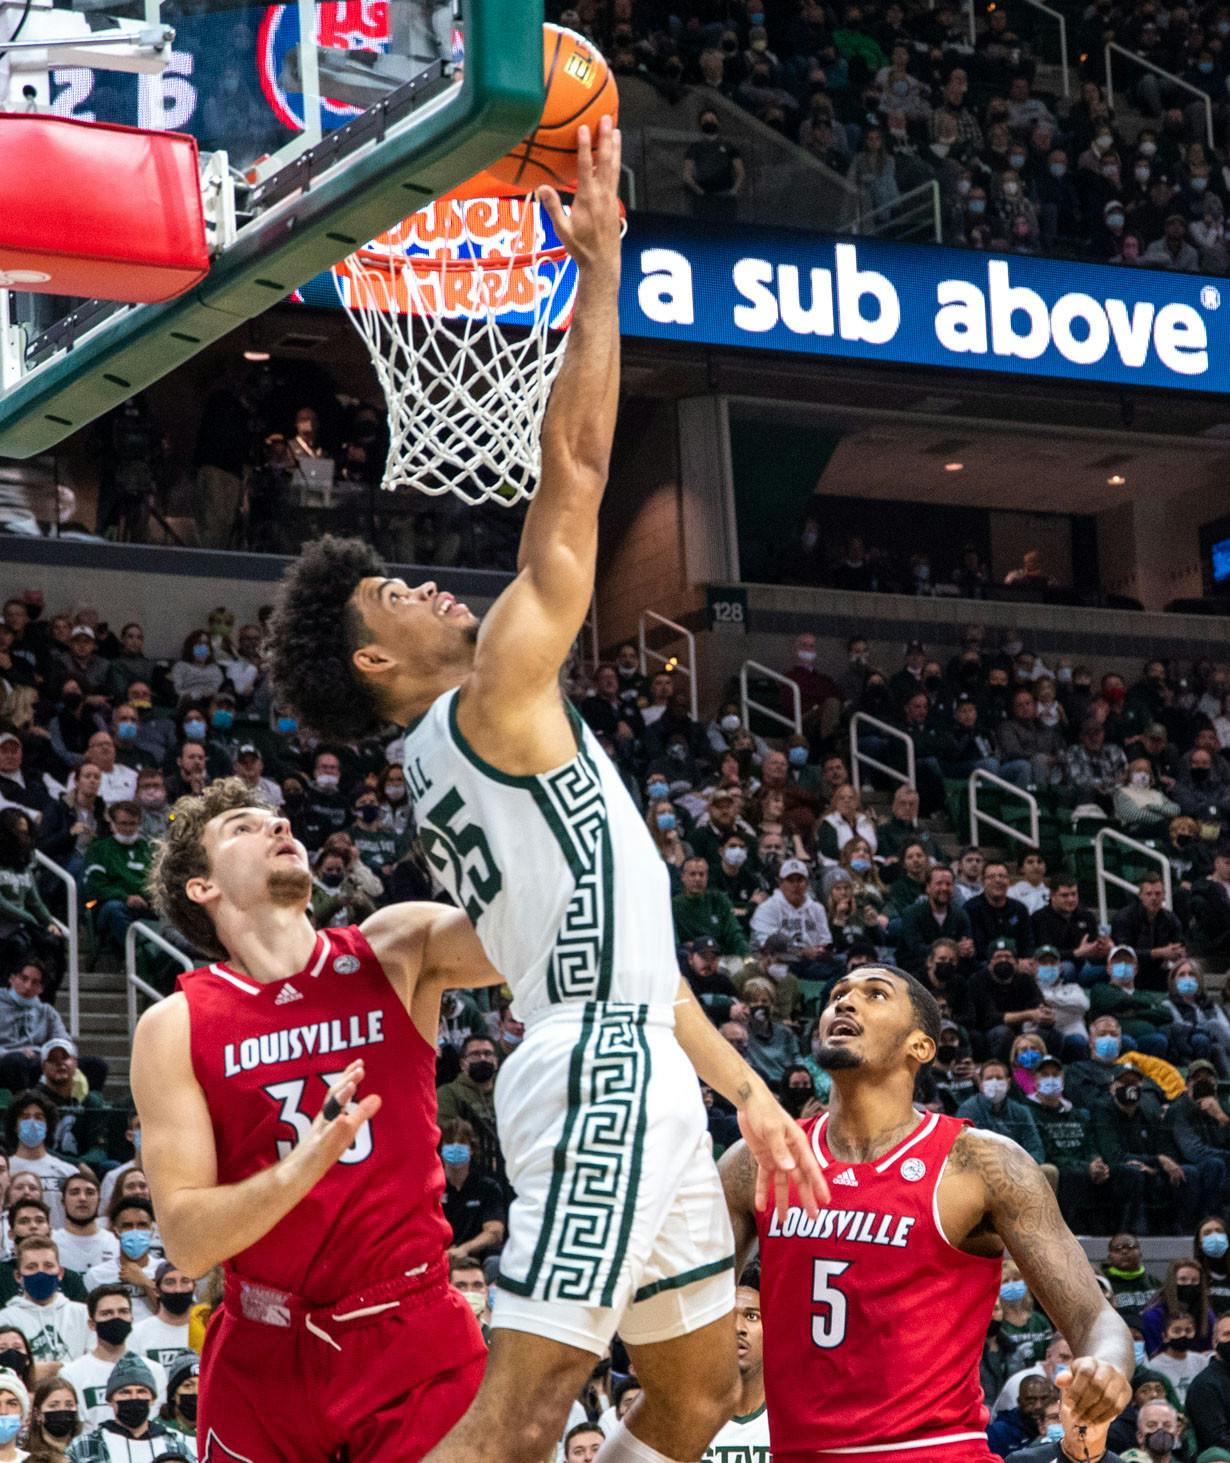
(995, 1089)
(779, 970)
(807, 657)
(326, 781)
(736, 857)
(1140, 779)
(729, 723)
(395, 791)
(126, 839)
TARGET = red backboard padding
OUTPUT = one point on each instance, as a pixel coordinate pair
(101, 212)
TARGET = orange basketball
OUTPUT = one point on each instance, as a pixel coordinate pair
(580, 92)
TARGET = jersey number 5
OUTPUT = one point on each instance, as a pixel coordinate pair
(289, 1096)
(464, 849)
(828, 1331)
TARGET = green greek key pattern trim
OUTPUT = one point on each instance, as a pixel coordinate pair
(689, 1277)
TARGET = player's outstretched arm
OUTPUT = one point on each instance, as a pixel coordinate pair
(775, 1140)
(203, 1222)
(527, 635)
(1021, 1209)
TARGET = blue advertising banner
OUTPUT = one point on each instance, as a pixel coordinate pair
(870, 300)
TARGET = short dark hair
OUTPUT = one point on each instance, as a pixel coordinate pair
(471, 1039)
(579, 1431)
(924, 1005)
(180, 856)
(128, 1201)
(125, 805)
(463, 1262)
(750, 1279)
(314, 632)
(19, 1204)
(100, 1293)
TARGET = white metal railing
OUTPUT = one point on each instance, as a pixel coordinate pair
(134, 984)
(1061, 21)
(1105, 877)
(917, 214)
(1157, 71)
(671, 662)
(976, 814)
(858, 756)
(73, 935)
(795, 721)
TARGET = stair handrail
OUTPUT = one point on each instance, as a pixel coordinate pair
(1105, 877)
(1158, 71)
(1061, 20)
(689, 640)
(857, 756)
(133, 983)
(72, 933)
(976, 815)
(794, 722)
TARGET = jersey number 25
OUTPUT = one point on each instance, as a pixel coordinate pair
(289, 1096)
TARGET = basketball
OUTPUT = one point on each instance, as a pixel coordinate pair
(580, 92)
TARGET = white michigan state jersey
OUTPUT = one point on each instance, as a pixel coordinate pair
(742, 1440)
(557, 871)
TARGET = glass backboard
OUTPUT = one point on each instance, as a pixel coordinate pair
(334, 120)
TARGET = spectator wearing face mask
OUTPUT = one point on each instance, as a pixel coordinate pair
(132, 1223)
(1208, 1394)
(771, 1045)
(1200, 1027)
(1066, 999)
(1128, 1129)
(55, 1419)
(328, 808)
(111, 1329)
(1003, 1000)
(1139, 804)
(713, 171)
(54, 1325)
(196, 675)
(116, 868)
(1091, 1194)
(1025, 1332)
(736, 878)
(131, 1394)
(473, 1203)
(178, 1412)
(796, 1089)
(162, 1336)
(996, 1110)
(470, 1098)
(151, 798)
(1178, 1360)
(1157, 1433)
(1142, 1015)
(29, 1123)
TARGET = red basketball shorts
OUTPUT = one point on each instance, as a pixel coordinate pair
(378, 1377)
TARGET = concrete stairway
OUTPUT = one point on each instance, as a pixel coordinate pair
(104, 1026)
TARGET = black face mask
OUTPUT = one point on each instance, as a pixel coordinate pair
(1189, 1295)
(113, 1332)
(13, 1360)
(944, 970)
(1223, 1351)
(187, 1406)
(948, 1054)
(1202, 1089)
(59, 1424)
(1003, 970)
(179, 1303)
(481, 1072)
(132, 1412)
(1181, 1343)
(795, 1099)
(1161, 1443)
(709, 128)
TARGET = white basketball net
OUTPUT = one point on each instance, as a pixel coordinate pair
(464, 309)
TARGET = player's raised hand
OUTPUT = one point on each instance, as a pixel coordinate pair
(782, 1154)
(340, 1120)
(590, 230)
(1093, 1392)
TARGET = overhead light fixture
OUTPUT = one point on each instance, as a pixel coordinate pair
(255, 355)
(954, 467)
(1116, 480)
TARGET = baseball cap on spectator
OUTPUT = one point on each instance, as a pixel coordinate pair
(130, 1371)
(1004, 942)
(11, 1382)
(913, 645)
(1170, 219)
(1123, 950)
(249, 749)
(82, 630)
(1155, 728)
(1201, 1065)
(57, 1044)
(163, 1270)
(949, 1026)
(1046, 950)
(706, 945)
(775, 945)
(1214, 1455)
(791, 867)
(8, 736)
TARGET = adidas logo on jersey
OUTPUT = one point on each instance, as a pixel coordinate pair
(846, 1177)
(287, 994)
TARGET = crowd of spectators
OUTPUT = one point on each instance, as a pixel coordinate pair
(1102, 1048)
(898, 94)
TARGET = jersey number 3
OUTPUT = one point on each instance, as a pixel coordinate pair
(828, 1330)
(463, 850)
(289, 1096)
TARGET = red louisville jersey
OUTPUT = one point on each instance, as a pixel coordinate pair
(873, 1322)
(265, 1056)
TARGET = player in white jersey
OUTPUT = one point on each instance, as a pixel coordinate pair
(745, 1438)
(618, 1217)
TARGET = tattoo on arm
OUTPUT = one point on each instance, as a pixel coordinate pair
(1021, 1209)
(738, 1171)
